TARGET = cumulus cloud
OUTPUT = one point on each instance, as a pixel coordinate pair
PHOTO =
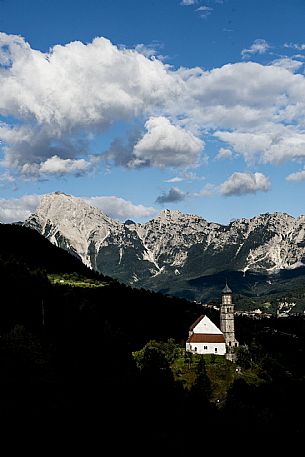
(270, 144)
(60, 167)
(245, 183)
(56, 165)
(240, 96)
(18, 209)
(288, 63)
(57, 102)
(259, 46)
(119, 208)
(78, 84)
(297, 176)
(166, 145)
(174, 195)
(224, 153)
(61, 97)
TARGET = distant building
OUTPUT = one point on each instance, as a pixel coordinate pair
(206, 338)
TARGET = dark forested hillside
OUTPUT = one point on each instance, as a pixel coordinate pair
(25, 245)
(67, 365)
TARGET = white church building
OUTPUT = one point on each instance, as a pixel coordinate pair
(206, 338)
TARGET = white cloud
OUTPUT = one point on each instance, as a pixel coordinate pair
(18, 209)
(259, 46)
(186, 176)
(288, 63)
(241, 95)
(268, 144)
(151, 51)
(249, 144)
(56, 165)
(6, 178)
(297, 176)
(62, 99)
(224, 153)
(62, 96)
(166, 145)
(79, 84)
(298, 46)
(119, 208)
(174, 179)
(174, 195)
(188, 2)
(147, 51)
(204, 11)
(207, 191)
(245, 183)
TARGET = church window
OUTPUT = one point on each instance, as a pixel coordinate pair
(195, 348)
(215, 349)
(205, 347)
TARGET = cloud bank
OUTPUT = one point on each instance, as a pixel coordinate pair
(18, 209)
(54, 104)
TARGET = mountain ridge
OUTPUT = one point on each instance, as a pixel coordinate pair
(171, 246)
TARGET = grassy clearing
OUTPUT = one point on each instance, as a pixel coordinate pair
(75, 280)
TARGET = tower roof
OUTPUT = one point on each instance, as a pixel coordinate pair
(226, 289)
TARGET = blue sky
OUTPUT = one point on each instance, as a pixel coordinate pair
(145, 105)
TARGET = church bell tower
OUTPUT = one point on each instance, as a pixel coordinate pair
(227, 322)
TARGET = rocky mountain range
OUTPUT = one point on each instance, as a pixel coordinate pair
(170, 251)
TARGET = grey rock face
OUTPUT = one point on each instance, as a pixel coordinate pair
(171, 246)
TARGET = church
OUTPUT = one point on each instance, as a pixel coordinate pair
(206, 338)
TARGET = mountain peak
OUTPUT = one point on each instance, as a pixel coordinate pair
(71, 223)
(169, 213)
(63, 206)
(171, 246)
(176, 215)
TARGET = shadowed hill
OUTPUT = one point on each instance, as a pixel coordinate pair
(66, 360)
(28, 246)
(26, 261)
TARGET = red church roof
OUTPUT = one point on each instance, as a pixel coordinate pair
(206, 338)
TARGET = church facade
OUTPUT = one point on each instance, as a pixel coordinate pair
(206, 338)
